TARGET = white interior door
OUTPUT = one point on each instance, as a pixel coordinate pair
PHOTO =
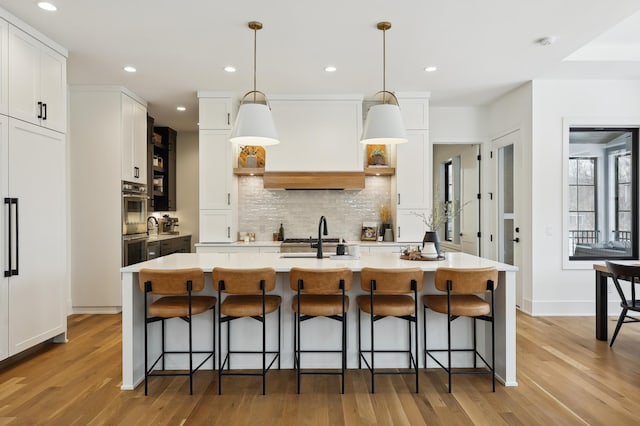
(470, 188)
(509, 161)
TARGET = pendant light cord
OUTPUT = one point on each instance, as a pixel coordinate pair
(255, 48)
(384, 65)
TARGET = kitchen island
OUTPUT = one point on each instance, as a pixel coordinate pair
(388, 332)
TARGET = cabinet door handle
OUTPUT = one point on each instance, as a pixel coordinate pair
(228, 119)
(39, 109)
(398, 198)
(228, 198)
(398, 231)
(136, 172)
(11, 271)
(44, 113)
(228, 232)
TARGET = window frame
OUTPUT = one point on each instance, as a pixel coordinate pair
(582, 262)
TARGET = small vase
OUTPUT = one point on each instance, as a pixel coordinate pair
(432, 237)
(251, 161)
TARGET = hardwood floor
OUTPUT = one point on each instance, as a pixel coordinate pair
(565, 376)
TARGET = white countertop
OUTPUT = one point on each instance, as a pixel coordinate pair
(277, 244)
(161, 237)
(207, 261)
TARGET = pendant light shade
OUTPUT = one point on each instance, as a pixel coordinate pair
(384, 124)
(254, 126)
(254, 123)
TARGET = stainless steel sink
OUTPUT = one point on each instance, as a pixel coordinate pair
(309, 255)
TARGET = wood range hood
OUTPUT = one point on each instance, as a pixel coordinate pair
(314, 180)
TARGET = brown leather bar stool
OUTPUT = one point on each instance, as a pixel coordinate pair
(461, 300)
(177, 287)
(247, 296)
(320, 293)
(390, 296)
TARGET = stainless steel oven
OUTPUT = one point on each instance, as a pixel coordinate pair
(134, 208)
(134, 249)
(134, 223)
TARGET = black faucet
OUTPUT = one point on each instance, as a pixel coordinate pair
(319, 254)
(154, 220)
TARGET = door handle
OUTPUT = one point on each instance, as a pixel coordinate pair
(44, 111)
(11, 271)
(516, 240)
(39, 109)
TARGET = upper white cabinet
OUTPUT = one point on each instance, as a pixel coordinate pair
(38, 81)
(134, 140)
(317, 133)
(4, 67)
(413, 172)
(216, 172)
(215, 111)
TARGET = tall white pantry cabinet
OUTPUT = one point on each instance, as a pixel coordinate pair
(33, 225)
(107, 132)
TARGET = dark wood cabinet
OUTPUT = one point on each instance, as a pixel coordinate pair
(162, 169)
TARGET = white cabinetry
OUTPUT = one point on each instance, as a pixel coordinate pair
(95, 155)
(413, 170)
(134, 140)
(38, 81)
(4, 67)
(34, 248)
(217, 189)
(317, 133)
(215, 112)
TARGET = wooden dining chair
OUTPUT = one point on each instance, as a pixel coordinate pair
(625, 274)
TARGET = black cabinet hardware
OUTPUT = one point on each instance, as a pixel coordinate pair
(39, 109)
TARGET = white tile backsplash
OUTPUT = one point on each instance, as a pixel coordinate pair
(261, 211)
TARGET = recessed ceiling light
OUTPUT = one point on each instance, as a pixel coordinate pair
(430, 68)
(330, 68)
(229, 68)
(181, 108)
(47, 6)
(129, 68)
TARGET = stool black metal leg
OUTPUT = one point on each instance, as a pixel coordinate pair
(279, 332)
(475, 348)
(359, 341)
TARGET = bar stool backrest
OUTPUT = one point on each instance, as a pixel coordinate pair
(391, 281)
(320, 281)
(244, 281)
(171, 281)
(466, 281)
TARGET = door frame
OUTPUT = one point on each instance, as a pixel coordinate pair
(481, 205)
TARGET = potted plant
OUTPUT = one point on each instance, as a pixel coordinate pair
(377, 156)
(440, 213)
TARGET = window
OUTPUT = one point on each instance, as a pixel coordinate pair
(449, 198)
(602, 202)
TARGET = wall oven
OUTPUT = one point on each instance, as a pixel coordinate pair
(134, 223)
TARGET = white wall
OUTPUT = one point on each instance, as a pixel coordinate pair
(458, 124)
(558, 291)
(187, 184)
(507, 114)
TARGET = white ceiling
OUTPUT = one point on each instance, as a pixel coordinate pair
(482, 48)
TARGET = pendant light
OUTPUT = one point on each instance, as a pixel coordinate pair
(254, 123)
(384, 123)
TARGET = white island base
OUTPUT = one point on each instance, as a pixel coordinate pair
(320, 333)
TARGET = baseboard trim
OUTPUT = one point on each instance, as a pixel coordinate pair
(97, 309)
(568, 308)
